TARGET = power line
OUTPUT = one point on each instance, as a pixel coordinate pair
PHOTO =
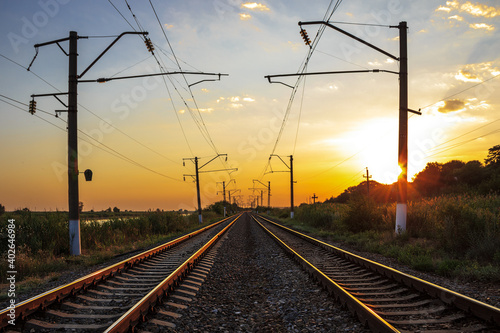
(361, 24)
(121, 15)
(110, 150)
(302, 68)
(24, 104)
(127, 158)
(455, 145)
(88, 110)
(204, 128)
(43, 119)
(461, 91)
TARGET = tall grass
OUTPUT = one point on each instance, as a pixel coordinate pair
(447, 234)
(42, 239)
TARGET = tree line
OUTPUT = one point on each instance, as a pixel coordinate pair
(437, 179)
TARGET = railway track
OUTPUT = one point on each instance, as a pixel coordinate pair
(117, 298)
(383, 298)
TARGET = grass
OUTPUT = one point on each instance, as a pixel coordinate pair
(456, 236)
(42, 242)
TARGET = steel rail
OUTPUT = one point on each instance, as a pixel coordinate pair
(365, 314)
(479, 309)
(139, 311)
(42, 301)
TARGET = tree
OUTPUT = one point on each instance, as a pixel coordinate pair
(428, 181)
(448, 170)
(472, 173)
(116, 210)
(2, 209)
(493, 158)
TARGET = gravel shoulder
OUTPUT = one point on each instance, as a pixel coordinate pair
(254, 287)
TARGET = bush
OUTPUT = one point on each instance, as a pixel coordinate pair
(323, 216)
(363, 214)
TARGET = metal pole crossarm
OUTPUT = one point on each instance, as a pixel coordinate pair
(110, 45)
(218, 155)
(352, 36)
(44, 95)
(192, 84)
(230, 169)
(281, 161)
(268, 77)
(55, 95)
(56, 41)
(283, 83)
(103, 79)
(256, 180)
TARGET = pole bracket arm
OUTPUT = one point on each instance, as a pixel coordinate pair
(328, 24)
(109, 46)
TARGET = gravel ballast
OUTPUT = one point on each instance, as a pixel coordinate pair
(254, 287)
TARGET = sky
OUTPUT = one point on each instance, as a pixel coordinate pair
(135, 133)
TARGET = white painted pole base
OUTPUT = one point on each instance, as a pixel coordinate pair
(291, 215)
(200, 218)
(224, 211)
(401, 210)
(74, 238)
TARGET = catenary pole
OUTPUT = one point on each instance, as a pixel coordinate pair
(291, 187)
(401, 207)
(73, 197)
(200, 218)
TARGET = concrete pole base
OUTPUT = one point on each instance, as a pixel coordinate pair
(401, 211)
(74, 238)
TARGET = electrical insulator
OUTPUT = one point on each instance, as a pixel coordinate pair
(149, 45)
(304, 35)
(32, 109)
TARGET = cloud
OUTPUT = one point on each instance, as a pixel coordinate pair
(168, 26)
(466, 76)
(443, 9)
(205, 90)
(488, 27)
(477, 72)
(456, 17)
(245, 17)
(476, 10)
(451, 105)
(255, 6)
(234, 102)
(294, 46)
(480, 10)
(207, 110)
